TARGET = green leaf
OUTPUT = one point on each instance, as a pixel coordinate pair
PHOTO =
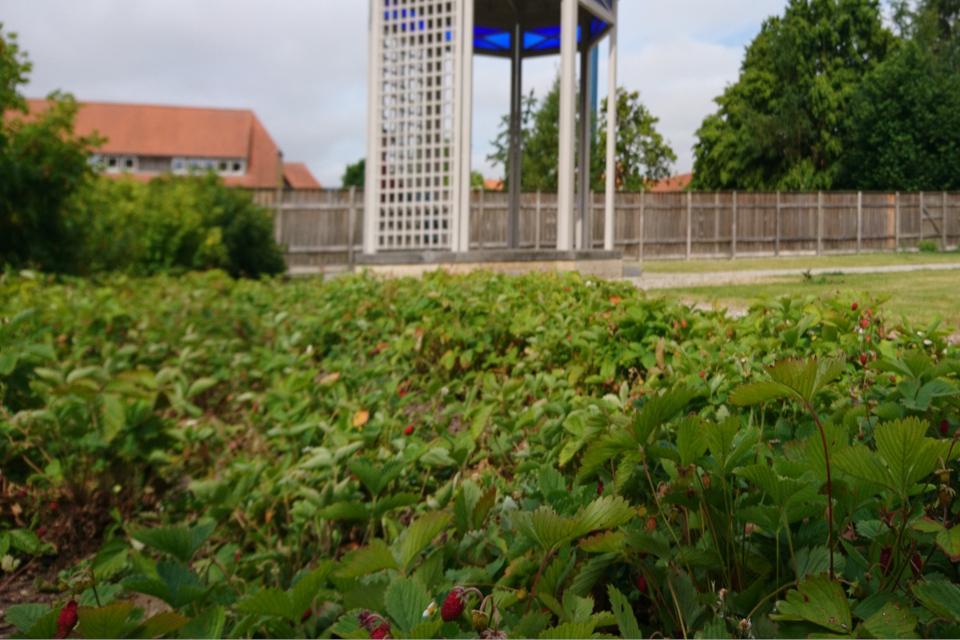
(405, 602)
(427, 629)
(162, 624)
(626, 621)
(374, 557)
(894, 620)
(344, 511)
(421, 533)
(305, 591)
(569, 631)
(861, 462)
(819, 600)
(206, 626)
(940, 596)
(44, 627)
(180, 542)
(601, 451)
(757, 392)
(270, 602)
(24, 616)
(691, 442)
(720, 437)
(544, 527)
(110, 621)
(661, 408)
(388, 503)
(23, 540)
(801, 379)
(199, 386)
(909, 455)
(607, 512)
(114, 417)
(531, 625)
(949, 541)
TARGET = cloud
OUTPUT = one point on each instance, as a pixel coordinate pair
(301, 65)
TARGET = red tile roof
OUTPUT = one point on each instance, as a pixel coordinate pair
(151, 130)
(298, 176)
(676, 183)
(493, 184)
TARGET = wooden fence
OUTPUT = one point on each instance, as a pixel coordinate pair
(323, 229)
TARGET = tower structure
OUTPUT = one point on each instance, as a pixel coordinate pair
(420, 115)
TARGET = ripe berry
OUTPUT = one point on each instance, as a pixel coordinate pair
(684, 324)
(67, 619)
(600, 488)
(886, 559)
(854, 307)
(944, 427)
(305, 616)
(453, 606)
(409, 430)
(53, 506)
(642, 584)
(863, 358)
(41, 531)
(893, 379)
(381, 632)
(916, 565)
(864, 323)
(703, 374)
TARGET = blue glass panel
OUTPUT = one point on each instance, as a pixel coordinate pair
(479, 43)
(500, 39)
(449, 36)
(404, 13)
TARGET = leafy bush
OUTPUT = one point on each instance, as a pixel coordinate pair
(540, 456)
(928, 246)
(173, 224)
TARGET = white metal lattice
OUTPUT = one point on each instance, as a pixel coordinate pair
(417, 151)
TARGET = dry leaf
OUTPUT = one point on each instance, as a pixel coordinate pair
(361, 418)
(328, 379)
(661, 348)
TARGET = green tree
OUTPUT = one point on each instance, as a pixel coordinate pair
(904, 126)
(42, 163)
(780, 126)
(355, 174)
(476, 181)
(642, 154)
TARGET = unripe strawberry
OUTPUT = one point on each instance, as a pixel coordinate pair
(854, 307)
(480, 621)
(453, 606)
(409, 430)
(522, 595)
(642, 584)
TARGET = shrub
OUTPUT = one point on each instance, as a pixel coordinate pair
(928, 246)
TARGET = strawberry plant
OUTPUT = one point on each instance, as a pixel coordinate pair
(477, 456)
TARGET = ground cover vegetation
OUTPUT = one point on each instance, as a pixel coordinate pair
(539, 456)
(58, 215)
(829, 97)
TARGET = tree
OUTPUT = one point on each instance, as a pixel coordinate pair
(42, 163)
(780, 126)
(642, 154)
(904, 126)
(356, 174)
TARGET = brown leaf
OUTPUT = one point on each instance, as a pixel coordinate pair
(660, 353)
(361, 418)
(329, 379)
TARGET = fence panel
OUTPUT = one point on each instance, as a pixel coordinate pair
(315, 225)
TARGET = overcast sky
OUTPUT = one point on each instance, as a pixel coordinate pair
(301, 64)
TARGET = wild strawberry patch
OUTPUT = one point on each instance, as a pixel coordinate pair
(479, 456)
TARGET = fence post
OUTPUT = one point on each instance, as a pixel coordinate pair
(689, 224)
(943, 223)
(536, 237)
(640, 229)
(733, 229)
(819, 223)
(716, 223)
(921, 217)
(776, 247)
(278, 216)
(351, 223)
(896, 223)
(859, 222)
(480, 220)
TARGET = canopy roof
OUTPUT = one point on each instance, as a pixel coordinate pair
(539, 21)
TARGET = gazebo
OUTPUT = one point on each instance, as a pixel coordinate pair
(417, 194)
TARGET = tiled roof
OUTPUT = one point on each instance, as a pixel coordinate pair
(150, 130)
(676, 183)
(298, 176)
(493, 184)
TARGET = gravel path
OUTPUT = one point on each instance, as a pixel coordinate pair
(649, 281)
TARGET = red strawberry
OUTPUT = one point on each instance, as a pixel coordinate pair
(453, 606)
(67, 620)
(893, 379)
(886, 559)
(944, 427)
(869, 312)
(863, 359)
(642, 584)
(703, 374)
(403, 392)
(864, 323)
(916, 565)
(306, 616)
(409, 430)
(683, 323)
(383, 631)
(600, 488)
(854, 307)
(41, 531)
(53, 506)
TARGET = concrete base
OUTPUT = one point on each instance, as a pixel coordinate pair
(601, 264)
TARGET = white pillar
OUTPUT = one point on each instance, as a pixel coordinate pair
(584, 234)
(460, 233)
(371, 207)
(567, 129)
(608, 226)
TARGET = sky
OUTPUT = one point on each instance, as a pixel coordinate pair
(301, 65)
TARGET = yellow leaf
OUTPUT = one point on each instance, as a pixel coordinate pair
(361, 418)
(328, 379)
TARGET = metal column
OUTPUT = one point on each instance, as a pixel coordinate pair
(567, 126)
(516, 138)
(584, 145)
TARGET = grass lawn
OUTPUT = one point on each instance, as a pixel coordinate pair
(918, 295)
(802, 263)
